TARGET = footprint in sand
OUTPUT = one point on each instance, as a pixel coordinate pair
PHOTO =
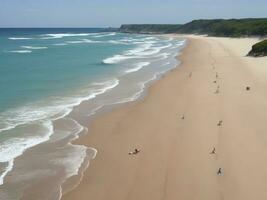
(217, 90)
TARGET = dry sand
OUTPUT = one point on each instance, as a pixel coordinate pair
(175, 160)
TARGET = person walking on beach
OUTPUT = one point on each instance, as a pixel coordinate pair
(219, 172)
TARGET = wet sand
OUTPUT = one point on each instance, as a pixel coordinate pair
(176, 128)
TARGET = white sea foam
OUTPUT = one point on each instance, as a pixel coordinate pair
(143, 50)
(58, 108)
(95, 110)
(139, 49)
(179, 44)
(137, 41)
(91, 41)
(72, 156)
(137, 67)
(60, 44)
(73, 168)
(83, 41)
(143, 86)
(164, 56)
(80, 154)
(61, 35)
(73, 160)
(182, 42)
(153, 50)
(150, 38)
(20, 51)
(117, 42)
(75, 42)
(133, 53)
(104, 35)
(32, 47)
(19, 38)
(14, 147)
(136, 95)
(115, 59)
(7, 170)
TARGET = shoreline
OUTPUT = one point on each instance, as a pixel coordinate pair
(124, 105)
(175, 160)
(105, 109)
(120, 105)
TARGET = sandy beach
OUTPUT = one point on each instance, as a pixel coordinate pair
(176, 128)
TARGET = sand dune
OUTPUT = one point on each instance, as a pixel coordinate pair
(175, 160)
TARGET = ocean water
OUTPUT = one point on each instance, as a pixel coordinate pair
(52, 81)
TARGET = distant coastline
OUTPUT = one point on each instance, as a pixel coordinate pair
(249, 27)
(211, 27)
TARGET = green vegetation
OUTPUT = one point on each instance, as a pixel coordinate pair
(259, 49)
(150, 28)
(217, 27)
(228, 28)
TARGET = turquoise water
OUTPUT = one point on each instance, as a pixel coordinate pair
(51, 82)
(28, 76)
